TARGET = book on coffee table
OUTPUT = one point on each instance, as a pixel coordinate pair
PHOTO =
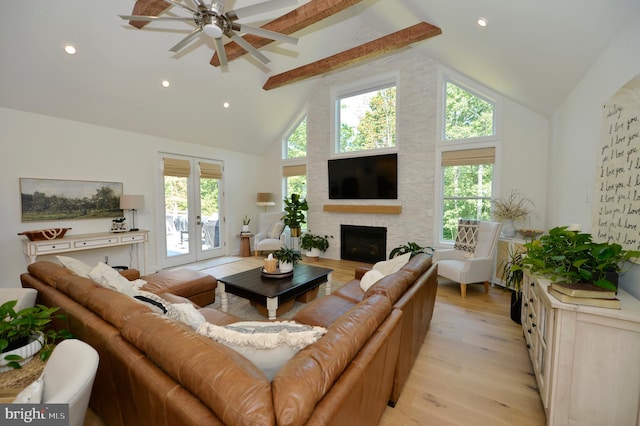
(583, 290)
(587, 301)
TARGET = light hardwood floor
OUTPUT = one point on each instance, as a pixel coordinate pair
(473, 368)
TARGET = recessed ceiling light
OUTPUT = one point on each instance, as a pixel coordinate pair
(166, 83)
(226, 104)
(69, 49)
(482, 22)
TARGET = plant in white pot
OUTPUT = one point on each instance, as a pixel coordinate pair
(25, 333)
(287, 258)
(314, 244)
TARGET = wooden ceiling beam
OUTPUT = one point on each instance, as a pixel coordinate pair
(377, 47)
(148, 8)
(302, 17)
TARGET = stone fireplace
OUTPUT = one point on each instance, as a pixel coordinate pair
(363, 243)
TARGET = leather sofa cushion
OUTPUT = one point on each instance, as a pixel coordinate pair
(417, 265)
(350, 291)
(392, 286)
(115, 308)
(184, 355)
(194, 285)
(217, 317)
(323, 311)
(48, 272)
(307, 377)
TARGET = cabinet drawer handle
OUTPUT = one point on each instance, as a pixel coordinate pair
(531, 300)
(529, 331)
(526, 304)
(533, 324)
(528, 346)
(533, 284)
(530, 315)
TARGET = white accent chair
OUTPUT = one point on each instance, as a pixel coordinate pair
(260, 240)
(455, 265)
(68, 377)
(26, 297)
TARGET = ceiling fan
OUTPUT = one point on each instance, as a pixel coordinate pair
(214, 22)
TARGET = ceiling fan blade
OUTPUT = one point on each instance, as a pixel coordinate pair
(154, 18)
(182, 43)
(183, 6)
(198, 3)
(261, 32)
(222, 55)
(258, 8)
(246, 46)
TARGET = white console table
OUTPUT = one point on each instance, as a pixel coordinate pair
(71, 243)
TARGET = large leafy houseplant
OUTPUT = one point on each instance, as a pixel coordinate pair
(410, 247)
(312, 241)
(294, 215)
(512, 271)
(16, 328)
(573, 257)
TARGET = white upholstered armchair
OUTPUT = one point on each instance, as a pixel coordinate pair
(467, 267)
(270, 234)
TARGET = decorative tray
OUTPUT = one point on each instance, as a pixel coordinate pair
(276, 274)
(45, 234)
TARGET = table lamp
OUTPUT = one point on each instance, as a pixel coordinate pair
(265, 199)
(133, 203)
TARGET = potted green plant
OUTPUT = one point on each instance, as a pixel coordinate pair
(410, 247)
(294, 216)
(512, 271)
(514, 207)
(314, 244)
(245, 223)
(27, 327)
(573, 257)
(287, 258)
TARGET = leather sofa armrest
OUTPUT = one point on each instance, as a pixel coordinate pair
(130, 274)
(360, 271)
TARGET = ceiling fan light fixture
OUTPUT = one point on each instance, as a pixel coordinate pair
(482, 22)
(212, 30)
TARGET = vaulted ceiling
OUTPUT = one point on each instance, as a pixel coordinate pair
(533, 52)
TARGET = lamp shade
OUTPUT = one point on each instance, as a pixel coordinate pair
(132, 202)
(265, 199)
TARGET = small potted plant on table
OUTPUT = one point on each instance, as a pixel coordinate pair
(314, 244)
(25, 333)
(287, 258)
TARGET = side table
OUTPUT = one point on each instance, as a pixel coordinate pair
(245, 244)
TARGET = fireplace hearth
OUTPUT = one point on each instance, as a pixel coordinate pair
(363, 243)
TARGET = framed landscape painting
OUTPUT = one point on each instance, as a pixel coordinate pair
(55, 199)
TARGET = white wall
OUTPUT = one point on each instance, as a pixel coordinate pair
(575, 137)
(522, 164)
(37, 146)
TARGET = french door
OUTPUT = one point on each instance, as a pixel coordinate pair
(192, 208)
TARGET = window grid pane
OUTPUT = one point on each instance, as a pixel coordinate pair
(296, 144)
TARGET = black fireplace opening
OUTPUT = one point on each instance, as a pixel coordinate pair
(363, 243)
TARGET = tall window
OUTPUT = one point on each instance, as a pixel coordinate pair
(367, 120)
(467, 180)
(467, 115)
(296, 141)
(467, 175)
(295, 180)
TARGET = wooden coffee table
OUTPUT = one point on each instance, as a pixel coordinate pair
(275, 292)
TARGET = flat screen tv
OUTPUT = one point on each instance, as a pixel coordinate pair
(373, 177)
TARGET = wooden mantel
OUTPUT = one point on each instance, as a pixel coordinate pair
(362, 208)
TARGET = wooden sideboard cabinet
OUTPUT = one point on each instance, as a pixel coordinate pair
(586, 360)
(71, 243)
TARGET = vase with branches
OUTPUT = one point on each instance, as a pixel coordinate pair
(513, 207)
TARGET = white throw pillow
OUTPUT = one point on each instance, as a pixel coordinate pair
(390, 266)
(275, 230)
(370, 278)
(32, 394)
(187, 313)
(76, 266)
(108, 277)
(269, 345)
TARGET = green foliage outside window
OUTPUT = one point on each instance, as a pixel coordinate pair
(467, 115)
(297, 141)
(296, 185)
(467, 195)
(368, 120)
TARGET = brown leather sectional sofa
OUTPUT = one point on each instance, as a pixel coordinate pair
(157, 371)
